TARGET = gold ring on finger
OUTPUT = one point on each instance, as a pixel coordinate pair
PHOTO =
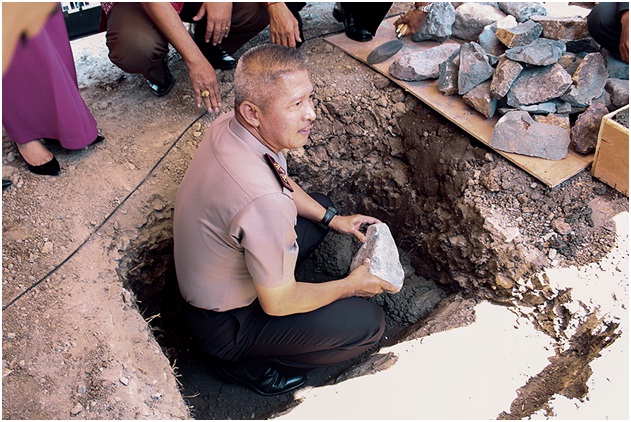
(226, 28)
(205, 94)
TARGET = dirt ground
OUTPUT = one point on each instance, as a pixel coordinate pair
(89, 329)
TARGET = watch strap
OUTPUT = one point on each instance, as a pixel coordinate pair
(328, 217)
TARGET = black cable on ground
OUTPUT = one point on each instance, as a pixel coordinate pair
(73, 253)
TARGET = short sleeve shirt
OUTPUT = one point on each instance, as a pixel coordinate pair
(234, 222)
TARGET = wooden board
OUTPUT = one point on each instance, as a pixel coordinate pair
(453, 108)
(611, 162)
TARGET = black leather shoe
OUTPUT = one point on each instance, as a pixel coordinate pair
(264, 380)
(351, 29)
(218, 58)
(6, 184)
(50, 168)
(160, 90)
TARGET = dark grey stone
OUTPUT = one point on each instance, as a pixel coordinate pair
(474, 67)
(617, 68)
(471, 18)
(538, 85)
(585, 130)
(618, 90)
(585, 45)
(437, 25)
(563, 107)
(563, 28)
(518, 133)
(506, 72)
(480, 99)
(488, 40)
(522, 34)
(589, 81)
(522, 11)
(422, 65)
(541, 52)
(541, 108)
(448, 74)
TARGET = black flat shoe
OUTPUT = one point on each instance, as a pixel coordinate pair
(160, 90)
(351, 29)
(218, 58)
(98, 140)
(50, 168)
(6, 184)
(264, 380)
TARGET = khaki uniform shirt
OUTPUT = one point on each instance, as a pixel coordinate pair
(233, 221)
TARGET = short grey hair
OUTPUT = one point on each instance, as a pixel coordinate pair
(260, 67)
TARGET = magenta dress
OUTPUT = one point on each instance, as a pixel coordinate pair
(40, 94)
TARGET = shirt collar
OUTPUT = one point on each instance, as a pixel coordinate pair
(246, 136)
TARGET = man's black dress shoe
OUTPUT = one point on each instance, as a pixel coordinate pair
(218, 58)
(51, 168)
(6, 184)
(160, 90)
(351, 29)
(264, 380)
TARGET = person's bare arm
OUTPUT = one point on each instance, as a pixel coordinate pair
(200, 72)
(299, 297)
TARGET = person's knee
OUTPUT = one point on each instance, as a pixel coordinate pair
(133, 55)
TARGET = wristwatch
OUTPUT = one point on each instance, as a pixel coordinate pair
(424, 8)
(328, 216)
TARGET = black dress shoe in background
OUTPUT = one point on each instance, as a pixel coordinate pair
(351, 29)
(6, 183)
(218, 58)
(162, 89)
(265, 380)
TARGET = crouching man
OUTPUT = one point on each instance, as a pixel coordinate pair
(242, 224)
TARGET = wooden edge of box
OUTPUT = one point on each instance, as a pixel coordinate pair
(606, 123)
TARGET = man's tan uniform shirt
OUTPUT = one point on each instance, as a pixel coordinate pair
(233, 222)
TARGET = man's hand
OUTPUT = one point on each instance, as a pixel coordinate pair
(624, 37)
(414, 19)
(283, 26)
(218, 19)
(350, 224)
(203, 79)
(366, 284)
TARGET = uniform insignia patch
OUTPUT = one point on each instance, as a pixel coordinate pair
(280, 172)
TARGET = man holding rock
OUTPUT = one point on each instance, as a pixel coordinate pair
(240, 226)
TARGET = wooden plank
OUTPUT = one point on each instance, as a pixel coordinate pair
(550, 172)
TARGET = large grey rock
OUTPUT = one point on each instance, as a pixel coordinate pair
(522, 11)
(585, 130)
(481, 100)
(471, 18)
(538, 85)
(589, 80)
(422, 65)
(541, 52)
(563, 28)
(382, 251)
(506, 72)
(618, 90)
(518, 133)
(489, 41)
(474, 67)
(448, 74)
(438, 23)
(520, 35)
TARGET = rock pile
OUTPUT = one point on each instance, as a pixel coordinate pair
(547, 77)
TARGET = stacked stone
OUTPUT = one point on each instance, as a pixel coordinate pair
(539, 72)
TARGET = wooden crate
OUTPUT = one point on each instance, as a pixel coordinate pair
(611, 161)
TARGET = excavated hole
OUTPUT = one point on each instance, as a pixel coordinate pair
(450, 206)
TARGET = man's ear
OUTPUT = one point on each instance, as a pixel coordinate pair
(250, 113)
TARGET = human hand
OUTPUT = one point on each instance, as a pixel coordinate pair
(205, 85)
(283, 26)
(624, 37)
(364, 284)
(414, 19)
(350, 224)
(218, 19)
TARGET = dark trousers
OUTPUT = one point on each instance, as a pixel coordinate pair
(367, 15)
(331, 334)
(605, 27)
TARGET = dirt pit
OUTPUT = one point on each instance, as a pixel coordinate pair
(90, 326)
